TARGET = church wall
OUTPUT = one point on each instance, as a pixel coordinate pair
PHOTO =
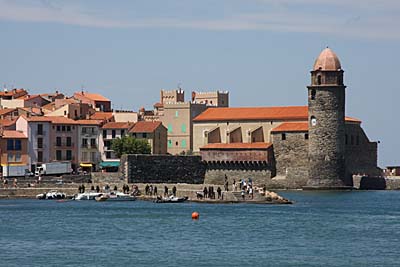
(360, 154)
(291, 155)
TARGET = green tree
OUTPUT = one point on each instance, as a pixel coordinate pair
(130, 145)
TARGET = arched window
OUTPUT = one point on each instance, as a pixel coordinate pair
(313, 93)
(319, 79)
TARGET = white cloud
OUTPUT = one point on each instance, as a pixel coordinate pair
(349, 21)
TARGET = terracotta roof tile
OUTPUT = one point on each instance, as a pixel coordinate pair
(118, 125)
(38, 118)
(291, 127)
(61, 120)
(254, 113)
(102, 116)
(92, 96)
(6, 123)
(158, 105)
(6, 110)
(236, 146)
(350, 119)
(145, 127)
(296, 113)
(13, 134)
(89, 122)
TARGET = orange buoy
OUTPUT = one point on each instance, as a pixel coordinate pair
(195, 215)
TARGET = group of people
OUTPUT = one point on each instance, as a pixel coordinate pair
(149, 190)
(246, 188)
(5, 183)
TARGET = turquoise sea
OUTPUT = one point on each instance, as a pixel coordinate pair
(320, 229)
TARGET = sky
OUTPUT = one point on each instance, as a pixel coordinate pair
(261, 51)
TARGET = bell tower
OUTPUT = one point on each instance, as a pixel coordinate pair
(326, 118)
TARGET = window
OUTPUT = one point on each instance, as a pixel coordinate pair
(68, 128)
(40, 156)
(93, 157)
(306, 136)
(84, 156)
(58, 128)
(107, 144)
(313, 92)
(84, 142)
(93, 142)
(144, 135)
(183, 144)
(63, 128)
(18, 157)
(76, 113)
(69, 154)
(10, 157)
(122, 133)
(113, 133)
(176, 113)
(176, 143)
(40, 142)
(10, 144)
(104, 134)
(18, 145)
(108, 155)
(170, 128)
(69, 141)
(313, 121)
(58, 141)
(58, 154)
(319, 79)
(169, 143)
(183, 128)
(283, 136)
(40, 129)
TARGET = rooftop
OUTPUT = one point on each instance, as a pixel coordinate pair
(145, 127)
(118, 125)
(13, 134)
(102, 116)
(327, 60)
(291, 127)
(92, 96)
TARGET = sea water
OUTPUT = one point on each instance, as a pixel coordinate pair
(319, 229)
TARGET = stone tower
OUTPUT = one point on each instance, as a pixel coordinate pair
(326, 109)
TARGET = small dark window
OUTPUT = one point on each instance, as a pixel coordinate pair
(313, 92)
(122, 133)
(283, 136)
(68, 128)
(306, 136)
(176, 143)
(58, 154)
(69, 154)
(69, 141)
(319, 79)
(63, 128)
(10, 144)
(40, 156)
(76, 113)
(40, 129)
(113, 133)
(144, 135)
(346, 139)
(40, 142)
(58, 141)
(104, 134)
(58, 128)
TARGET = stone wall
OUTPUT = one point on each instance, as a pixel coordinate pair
(360, 153)
(260, 173)
(163, 169)
(290, 154)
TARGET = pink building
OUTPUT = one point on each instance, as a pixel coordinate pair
(96, 100)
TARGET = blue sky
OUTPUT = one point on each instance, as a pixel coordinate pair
(259, 50)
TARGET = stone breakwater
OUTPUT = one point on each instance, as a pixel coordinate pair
(190, 190)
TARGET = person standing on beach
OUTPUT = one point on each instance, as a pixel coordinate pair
(174, 191)
(219, 192)
(165, 191)
(155, 190)
(205, 191)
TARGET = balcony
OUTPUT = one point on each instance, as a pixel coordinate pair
(88, 132)
(89, 146)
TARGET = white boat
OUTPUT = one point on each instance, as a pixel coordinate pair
(87, 196)
(52, 195)
(119, 196)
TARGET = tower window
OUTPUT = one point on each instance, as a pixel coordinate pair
(313, 93)
(313, 121)
(346, 139)
(306, 136)
(319, 79)
(284, 136)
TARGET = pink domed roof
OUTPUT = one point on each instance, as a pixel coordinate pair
(327, 60)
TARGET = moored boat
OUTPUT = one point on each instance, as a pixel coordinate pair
(87, 196)
(51, 195)
(170, 199)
